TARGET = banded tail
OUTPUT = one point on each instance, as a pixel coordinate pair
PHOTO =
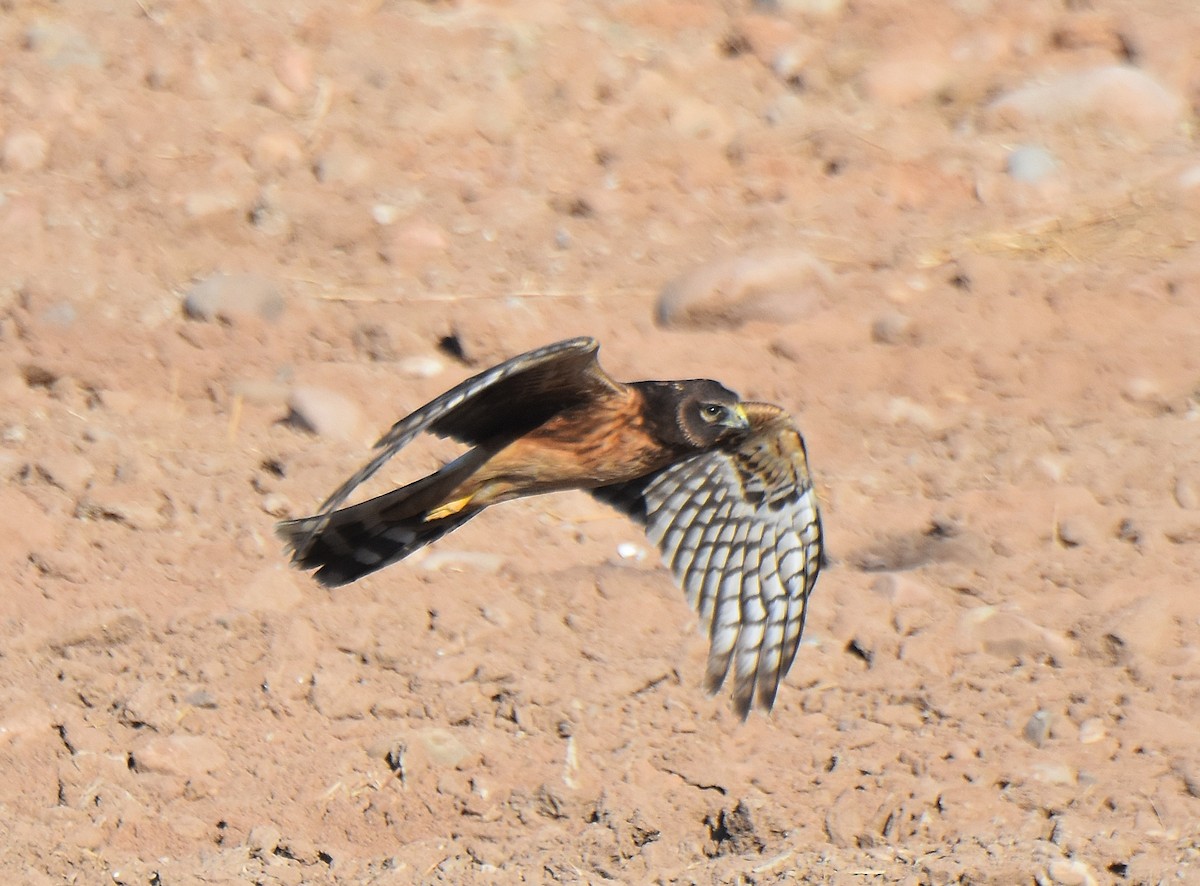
(352, 542)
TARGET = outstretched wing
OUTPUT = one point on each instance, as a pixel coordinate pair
(740, 529)
(493, 407)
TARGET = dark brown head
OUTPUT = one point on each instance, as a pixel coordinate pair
(694, 414)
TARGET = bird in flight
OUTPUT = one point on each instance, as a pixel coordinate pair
(722, 487)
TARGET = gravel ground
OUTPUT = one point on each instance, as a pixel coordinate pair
(957, 240)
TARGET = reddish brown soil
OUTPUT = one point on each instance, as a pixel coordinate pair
(997, 370)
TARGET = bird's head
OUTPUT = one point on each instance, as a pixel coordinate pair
(696, 414)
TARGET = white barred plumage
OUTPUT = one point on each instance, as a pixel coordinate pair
(740, 529)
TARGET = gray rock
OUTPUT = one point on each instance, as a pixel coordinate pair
(1074, 531)
(180, 755)
(263, 840)
(227, 297)
(323, 412)
(61, 45)
(1031, 164)
(780, 286)
(442, 746)
(1113, 95)
(822, 8)
(893, 328)
(342, 164)
(1037, 728)
(1009, 635)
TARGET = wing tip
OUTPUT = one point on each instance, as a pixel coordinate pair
(291, 533)
(584, 344)
(581, 343)
(297, 536)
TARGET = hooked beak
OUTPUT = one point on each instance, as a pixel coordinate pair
(737, 419)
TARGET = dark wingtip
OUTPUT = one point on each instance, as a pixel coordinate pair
(714, 675)
(743, 698)
(329, 577)
(742, 707)
(286, 532)
(297, 536)
(767, 695)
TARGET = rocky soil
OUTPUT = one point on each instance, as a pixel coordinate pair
(958, 241)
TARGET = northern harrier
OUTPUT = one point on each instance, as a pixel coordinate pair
(721, 486)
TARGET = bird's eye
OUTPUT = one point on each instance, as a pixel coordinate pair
(711, 411)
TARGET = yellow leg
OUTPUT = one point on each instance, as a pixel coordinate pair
(448, 509)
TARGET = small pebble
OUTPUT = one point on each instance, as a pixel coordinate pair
(263, 840)
(629, 551)
(1092, 730)
(61, 313)
(1075, 532)
(341, 164)
(25, 151)
(385, 213)
(1037, 728)
(1070, 872)
(323, 412)
(1032, 164)
(1145, 391)
(816, 8)
(420, 367)
(893, 328)
(276, 504)
(201, 698)
(1185, 493)
(295, 69)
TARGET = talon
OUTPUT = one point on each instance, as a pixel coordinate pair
(449, 509)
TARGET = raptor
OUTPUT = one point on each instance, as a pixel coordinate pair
(721, 486)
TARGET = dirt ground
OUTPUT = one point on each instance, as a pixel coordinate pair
(958, 241)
